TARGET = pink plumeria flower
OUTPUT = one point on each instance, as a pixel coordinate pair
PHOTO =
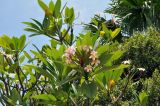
(86, 48)
(68, 60)
(95, 62)
(71, 50)
(88, 68)
(93, 55)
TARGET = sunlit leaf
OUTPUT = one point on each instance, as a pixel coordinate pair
(51, 6)
(47, 97)
(115, 33)
(57, 8)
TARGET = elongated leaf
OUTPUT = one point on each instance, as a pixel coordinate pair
(72, 16)
(28, 94)
(42, 5)
(40, 70)
(8, 100)
(47, 97)
(51, 6)
(38, 55)
(15, 96)
(35, 34)
(31, 30)
(27, 55)
(109, 68)
(21, 59)
(22, 41)
(57, 8)
(15, 42)
(115, 33)
(31, 25)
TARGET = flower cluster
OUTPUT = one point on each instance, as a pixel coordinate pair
(126, 62)
(7, 55)
(84, 56)
(141, 69)
(69, 53)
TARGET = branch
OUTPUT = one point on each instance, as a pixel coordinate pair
(71, 42)
(66, 32)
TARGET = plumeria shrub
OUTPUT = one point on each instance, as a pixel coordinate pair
(77, 71)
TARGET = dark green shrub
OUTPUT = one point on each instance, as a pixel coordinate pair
(152, 87)
(143, 49)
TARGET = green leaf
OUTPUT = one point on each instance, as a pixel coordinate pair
(104, 57)
(69, 15)
(38, 55)
(54, 43)
(45, 97)
(21, 59)
(74, 89)
(86, 39)
(5, 41)
(32, 79)
(143, 97)
(15, 96)
(40, 70)
(116, 74)
(43, 5)
(57, 8)
(22, 41)
(31, 25)
(102, 49)
(89, 89)
(46, 23)
(99, 79)
(109, 68)
(31, 30)
(51, 6)
(35, 34)
(38, 23)
(13, 67)
(27, 55)
(15, 42)
(115, 33)
(113, 56)
(72, 16)
(66, 15)
(8, 100)
(27, 95)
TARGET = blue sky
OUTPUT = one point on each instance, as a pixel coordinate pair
(13, 12)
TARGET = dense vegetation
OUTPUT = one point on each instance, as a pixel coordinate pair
(98, 67)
